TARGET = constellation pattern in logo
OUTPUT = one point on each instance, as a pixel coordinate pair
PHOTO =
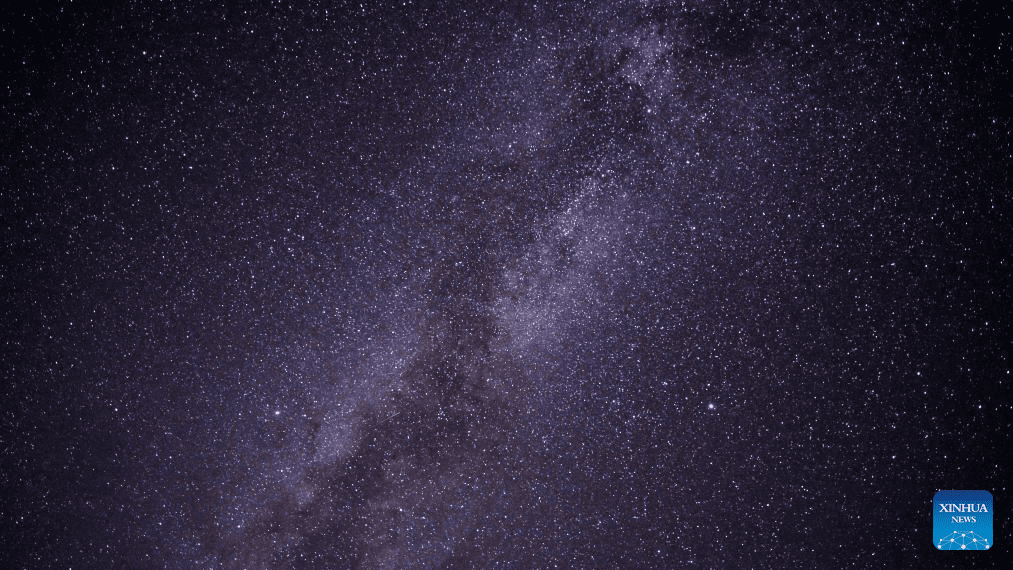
(963, 540)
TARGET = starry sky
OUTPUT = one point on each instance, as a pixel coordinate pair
(617, 284)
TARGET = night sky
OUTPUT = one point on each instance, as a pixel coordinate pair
(579, 285)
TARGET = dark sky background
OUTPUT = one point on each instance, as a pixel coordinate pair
(576, 285)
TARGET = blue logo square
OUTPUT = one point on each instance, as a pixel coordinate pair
(962, 520)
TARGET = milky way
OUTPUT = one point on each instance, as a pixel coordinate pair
(589, 285)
